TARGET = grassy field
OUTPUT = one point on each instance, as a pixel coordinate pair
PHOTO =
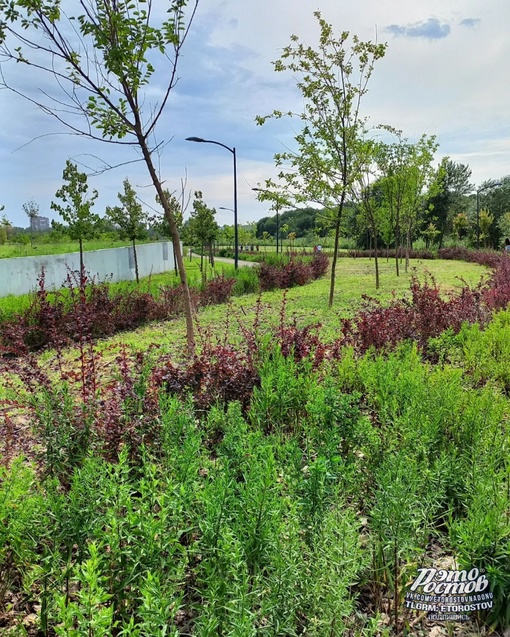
(152, 284)
(9, 251)
(308, 304)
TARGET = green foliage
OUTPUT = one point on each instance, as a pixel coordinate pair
(130, 217)
(21, 507)
(333, 80)
(485, 220)
(76, 208)
(303, 512)
(201, 228)
(280, 400)
(448, 199)
(247, 281)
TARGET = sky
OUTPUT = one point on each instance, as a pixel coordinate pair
(445, 73)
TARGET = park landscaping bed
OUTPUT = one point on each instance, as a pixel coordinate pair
(287, 484)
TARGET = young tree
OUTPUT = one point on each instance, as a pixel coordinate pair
(333, 80)
(406, 171)
(160, 222)
(486, 220)
(203, 227)
(284, 230)
(430, 234)
(130, 218)
(31, 209)
(367, 193)
(102, 60)
(460, 225)
(6, 225)
(419, 185)
(76, 208)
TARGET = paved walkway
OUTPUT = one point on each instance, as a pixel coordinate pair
(240, 263)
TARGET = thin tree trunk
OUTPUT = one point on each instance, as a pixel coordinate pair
(136, 262)
(211, 255)
(397, 242)
(376, 259)
(408, 247)
(188, 310)
(335, 251)
(82, 266)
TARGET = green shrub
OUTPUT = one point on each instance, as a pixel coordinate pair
(247, 281)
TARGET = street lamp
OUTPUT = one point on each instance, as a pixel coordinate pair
(486, 187)
(277, 207)
(233, 151)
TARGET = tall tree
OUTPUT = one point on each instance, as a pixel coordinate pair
(333, 80)
(449, 196)
(496, 199)
(76, 208)
(130, 218)
(103, 59)
(406, 173)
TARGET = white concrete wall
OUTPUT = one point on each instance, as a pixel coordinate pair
(19, 275)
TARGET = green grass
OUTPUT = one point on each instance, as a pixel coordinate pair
(306, 514)
(16, 304)
(309, 303)
(11, 250)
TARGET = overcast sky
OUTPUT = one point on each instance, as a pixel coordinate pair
(445, 73)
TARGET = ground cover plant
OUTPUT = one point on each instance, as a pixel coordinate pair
(289, 484)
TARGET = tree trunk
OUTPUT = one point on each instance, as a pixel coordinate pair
(188, 310)
(335, 251)
(376, 259)
(408, 248)
(82, 265)
(136, 262)
(211, 255)
(397, 242)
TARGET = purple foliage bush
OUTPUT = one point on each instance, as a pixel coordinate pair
(295, 272)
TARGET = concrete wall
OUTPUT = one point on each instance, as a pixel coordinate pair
(19, 275)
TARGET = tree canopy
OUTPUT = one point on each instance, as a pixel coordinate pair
(103, 58)
(332, 78)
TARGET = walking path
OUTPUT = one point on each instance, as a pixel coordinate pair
(240, 263)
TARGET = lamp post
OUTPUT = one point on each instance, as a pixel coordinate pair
(230, 210)
(486, 187)
(277, 207)
(233, 151)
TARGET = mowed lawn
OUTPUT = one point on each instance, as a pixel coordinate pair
(9, 251)
(306, 304)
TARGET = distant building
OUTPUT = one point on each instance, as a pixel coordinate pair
(39, 224)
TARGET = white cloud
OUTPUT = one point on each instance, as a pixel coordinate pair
(454, 87)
